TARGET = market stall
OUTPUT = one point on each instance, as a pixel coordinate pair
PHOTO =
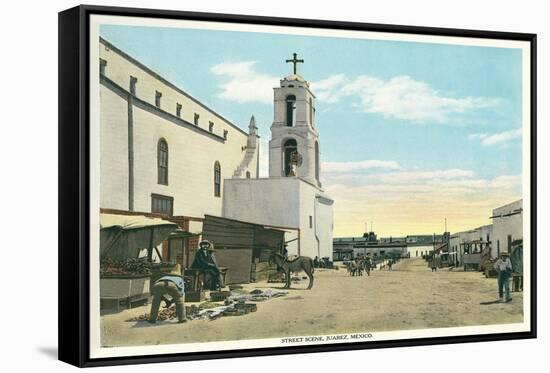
(127, 246)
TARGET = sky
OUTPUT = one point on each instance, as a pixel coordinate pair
(410, 133)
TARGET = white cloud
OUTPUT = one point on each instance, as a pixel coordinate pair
(243, 83)
(344, 167)
(408, 177)
(496, 138)
(327, 90)
(401, 97)
(390, 173)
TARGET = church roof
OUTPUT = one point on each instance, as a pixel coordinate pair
(295, 77)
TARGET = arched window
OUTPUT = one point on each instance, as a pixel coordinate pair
(162, 157)
(217, 179)
(290, 110)
(289, 147)
(316, 161)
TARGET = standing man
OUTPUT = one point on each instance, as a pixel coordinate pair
(434, 263)
(205, 261)
(503, 266)
(171, 285)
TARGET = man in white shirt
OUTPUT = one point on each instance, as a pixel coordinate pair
(503, 266)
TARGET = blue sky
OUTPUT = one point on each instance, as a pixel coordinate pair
(424, 124)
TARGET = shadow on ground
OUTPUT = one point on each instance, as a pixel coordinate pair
(49, 351)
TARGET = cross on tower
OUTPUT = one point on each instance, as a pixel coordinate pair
(295, 61)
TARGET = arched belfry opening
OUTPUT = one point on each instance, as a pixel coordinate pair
(290, 110)
(289, 147)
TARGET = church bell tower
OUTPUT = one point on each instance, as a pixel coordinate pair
(294, 145)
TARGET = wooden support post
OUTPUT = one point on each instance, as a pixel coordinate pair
(150, 248)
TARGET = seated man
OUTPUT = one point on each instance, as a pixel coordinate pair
(173, 286)
(205, 261)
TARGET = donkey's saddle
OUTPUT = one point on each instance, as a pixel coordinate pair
(292, 258)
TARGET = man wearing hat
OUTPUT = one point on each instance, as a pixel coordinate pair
(205, 261)
(173, 286)
(503, 266)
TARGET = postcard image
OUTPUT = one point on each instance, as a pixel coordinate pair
(267, 186)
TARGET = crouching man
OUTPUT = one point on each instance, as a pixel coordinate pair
(171, 285)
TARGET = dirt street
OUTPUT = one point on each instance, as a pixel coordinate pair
(409, 297)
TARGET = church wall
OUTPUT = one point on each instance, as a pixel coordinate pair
(119, 69)
(308, 243)
(324, 226)
(272, 201)
(191, 158)
(192, 150)
(283, 202)
(316, 239)
(114, 150)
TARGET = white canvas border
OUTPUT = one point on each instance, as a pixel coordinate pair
(96, 351)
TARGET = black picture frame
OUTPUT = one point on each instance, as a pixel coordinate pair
(74, 183)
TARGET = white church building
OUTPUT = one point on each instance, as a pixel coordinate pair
(292, 196)
(164, 152)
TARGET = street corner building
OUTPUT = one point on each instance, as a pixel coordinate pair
(164, 154)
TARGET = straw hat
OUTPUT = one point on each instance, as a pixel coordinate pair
(210, 246)
(505, 253)
(176, 271)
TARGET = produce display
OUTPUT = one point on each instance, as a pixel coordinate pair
(128, 267)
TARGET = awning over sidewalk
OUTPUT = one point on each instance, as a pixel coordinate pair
(124, 236)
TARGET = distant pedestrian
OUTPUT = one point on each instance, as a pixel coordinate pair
(316, 262)
(368, 265)
(390, 264)
(503, 266)
(434, 263)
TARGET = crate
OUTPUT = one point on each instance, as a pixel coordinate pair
(115, 304)
(261, 271)
(218, 296)
(234, 312)
(124, 286)
(247, 307)
(195, 296)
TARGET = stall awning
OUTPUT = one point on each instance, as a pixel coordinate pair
(123, 236)
(127, 222)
